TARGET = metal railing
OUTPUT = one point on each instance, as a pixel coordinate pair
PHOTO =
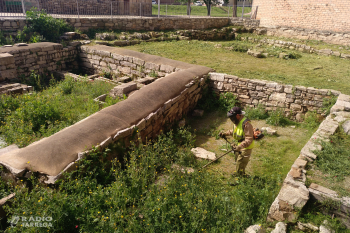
(110, 9)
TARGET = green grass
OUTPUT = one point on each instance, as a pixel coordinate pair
(27, 118)
(198, 10)
(334, 74)
(313, 43)
(126, 196)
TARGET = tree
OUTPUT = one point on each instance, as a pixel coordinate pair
(188, 2)
(234, 8)
(208, 3)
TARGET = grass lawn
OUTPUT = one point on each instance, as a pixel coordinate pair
(198, 10)
(334, 74)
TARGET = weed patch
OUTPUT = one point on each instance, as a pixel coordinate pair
(334, 159)
(210, 101)
(278, 118)
(124, 196)
(256, 113)
(27, 118)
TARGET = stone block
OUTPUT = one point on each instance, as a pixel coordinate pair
(122, 134)
(346, 127)
(217, 77)
(203, 154)
(306, 151)
(6, 59)
(300, 163)
(321, 193)
(167, 68)
(281, 227)
(152, 66)
(254, 229)
(123, 89)
(279, 97)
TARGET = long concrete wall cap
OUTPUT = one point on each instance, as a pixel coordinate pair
(29, 46)
(146, 57)
(52, 154)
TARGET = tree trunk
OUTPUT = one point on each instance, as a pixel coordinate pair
(189, 7)
(208, 9)
(234, 8)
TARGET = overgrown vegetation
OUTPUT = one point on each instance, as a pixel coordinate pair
(210, 101)
(334, 159)
(143, 193)
(41, 27)
(257, 113)
(27, 118)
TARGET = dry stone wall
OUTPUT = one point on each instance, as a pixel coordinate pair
(147, 111)
(139, 24)
(39, 57)
(95, 60)
(297, 46)
(294, 194)
(295, 100)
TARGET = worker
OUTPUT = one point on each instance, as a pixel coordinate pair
(243, 133)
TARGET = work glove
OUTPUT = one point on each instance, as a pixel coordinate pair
(222, 135)
(233, 147)
(239, 148)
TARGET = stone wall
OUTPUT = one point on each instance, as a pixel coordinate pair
(341, 38)
(321, 15)
(39, 57)
(294, 194)
(148, 111)
(139, 24)
(295, 100)
(297, 46)
(93, 61)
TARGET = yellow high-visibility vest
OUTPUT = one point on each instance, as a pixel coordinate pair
(238, 133)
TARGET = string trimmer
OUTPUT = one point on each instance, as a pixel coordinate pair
(232, 150)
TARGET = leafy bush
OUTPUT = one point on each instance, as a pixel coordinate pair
(47, 26)
(143, 193)
(278, 118)
(256, 113)
(107, 74)
(27, 118)
(312, 120)
(210, 101)
(67, 86)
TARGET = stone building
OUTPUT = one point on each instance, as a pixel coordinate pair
(320, 15)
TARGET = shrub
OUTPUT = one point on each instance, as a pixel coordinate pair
(312, 120)
(278, 118)
(256, 113)
(142, 193)
(67, 85)
(210, 101)
(47, 26)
